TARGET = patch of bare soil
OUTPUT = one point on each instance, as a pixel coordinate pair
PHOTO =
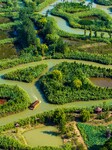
(92, 45)
(80, 139)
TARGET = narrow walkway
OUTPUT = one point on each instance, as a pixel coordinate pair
(79, 139)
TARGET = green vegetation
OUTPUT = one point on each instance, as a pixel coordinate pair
(93, 19)
(17, 99)
(27, 74)
(14, 144)
(94, 136)
(102, 2)
(24, 36)
(69, 82)
(107, 145)
(8, 63)
(85, 115)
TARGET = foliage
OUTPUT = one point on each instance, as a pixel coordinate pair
(77, 83)
(77, 19)
(104, 59)
(9, 25)
(17, 99)
(102, 2)
(27, 74)
(94, 136)
(60, 119)
(107, 145)
(8, 63)
(44, 4)
(57, 75)
(26, 32)
(85, 115)
(63, 91)
(10, 143)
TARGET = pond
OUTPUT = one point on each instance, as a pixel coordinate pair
(102, 82)
(43, 136)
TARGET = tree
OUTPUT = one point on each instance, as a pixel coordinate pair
(90, 33)
(85, 115)
(110, 34)
(62, 124)
(44, 49)
(77, 83)
(60, 119)
(57, 75)
(84, 30)
(49, 28)
(95, 34)
(102, 34)
(61, 46)
(51, 38)
(26, 32)
(41, 22)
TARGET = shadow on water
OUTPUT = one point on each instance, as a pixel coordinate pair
(53, 133)
(37, 85)
(110, 9)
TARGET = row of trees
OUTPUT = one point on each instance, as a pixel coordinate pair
(104, 59)
(27, 74)
(8, 63)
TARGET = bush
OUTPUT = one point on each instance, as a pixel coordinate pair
(17, 98)
(8, 63)
(85, 115)
(27, 74)
(60, 91)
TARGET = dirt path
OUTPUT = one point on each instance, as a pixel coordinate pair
(80, 139)
(92, 45)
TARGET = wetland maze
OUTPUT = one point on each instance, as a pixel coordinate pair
(59, 53)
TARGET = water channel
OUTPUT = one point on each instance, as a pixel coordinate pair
(34, 91)
(63, 24)
(33, 88)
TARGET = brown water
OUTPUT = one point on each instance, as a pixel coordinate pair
(102, 82)
(43, 136)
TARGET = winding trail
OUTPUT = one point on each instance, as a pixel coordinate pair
(34, 91)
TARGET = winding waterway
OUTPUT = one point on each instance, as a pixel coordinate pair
(34, 91)
(63, 24)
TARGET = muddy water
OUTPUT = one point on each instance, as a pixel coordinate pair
(102, 82)
(43, 136)
(34, 91)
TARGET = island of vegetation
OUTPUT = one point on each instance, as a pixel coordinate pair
(57, 47)
(27, 74)
(69, 82)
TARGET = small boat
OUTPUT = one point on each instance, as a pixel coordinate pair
(34, 104)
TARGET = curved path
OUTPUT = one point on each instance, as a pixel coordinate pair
(33, 88)
(34, 91)
(63, 24)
